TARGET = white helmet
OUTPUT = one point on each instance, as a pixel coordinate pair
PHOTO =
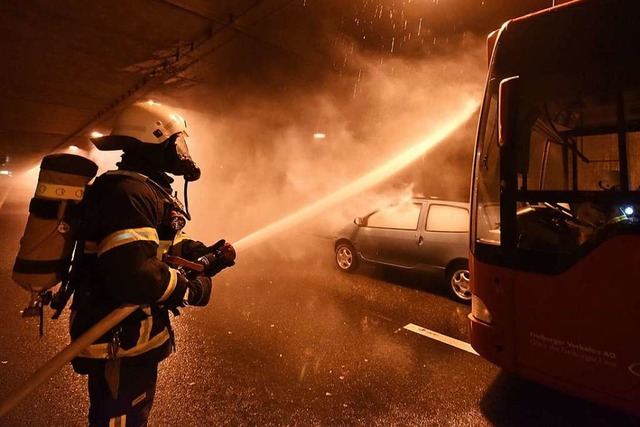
(142, 122)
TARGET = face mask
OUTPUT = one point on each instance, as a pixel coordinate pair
(177, 160)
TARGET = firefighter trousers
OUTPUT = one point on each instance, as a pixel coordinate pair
(122, 394)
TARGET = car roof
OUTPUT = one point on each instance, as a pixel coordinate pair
(435, 200)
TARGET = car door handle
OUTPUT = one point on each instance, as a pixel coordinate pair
(420, 240)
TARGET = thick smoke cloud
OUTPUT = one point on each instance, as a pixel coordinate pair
(254, 106)
(261, 162)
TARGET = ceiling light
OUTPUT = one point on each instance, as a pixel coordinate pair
(5, 172)
(96, 134)
(73, 147)
(319, 135)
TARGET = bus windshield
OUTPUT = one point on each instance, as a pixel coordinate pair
(569, 175)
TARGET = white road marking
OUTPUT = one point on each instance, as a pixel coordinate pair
(442, 338)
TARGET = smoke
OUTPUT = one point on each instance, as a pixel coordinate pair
(261, 162)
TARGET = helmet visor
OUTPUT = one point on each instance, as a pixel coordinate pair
(181, 162)
(182, 150)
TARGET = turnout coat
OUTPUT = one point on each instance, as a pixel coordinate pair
(128, 225)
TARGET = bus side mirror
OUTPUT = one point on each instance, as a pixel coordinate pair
(491, 44)
(506, 92)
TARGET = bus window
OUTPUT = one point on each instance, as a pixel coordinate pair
(555, 174)
(486, 223)
(548, 166)
(601, 152)
(633, 153)
(574, 148)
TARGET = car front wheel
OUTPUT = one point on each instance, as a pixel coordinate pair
(346, 257)
(458, 282)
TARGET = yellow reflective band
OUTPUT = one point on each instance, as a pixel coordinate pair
(101, 351)
(90, 248)
(171, 286)
(139, 399)
(57, 191)
(145, 326)
(154, 342)
(163, 248)
(95, 351)
(119, 421)
(165, 245)
(122, 237)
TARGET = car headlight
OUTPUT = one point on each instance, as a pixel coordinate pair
(480, 311)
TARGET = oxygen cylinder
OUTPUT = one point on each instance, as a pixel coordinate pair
(47, 244)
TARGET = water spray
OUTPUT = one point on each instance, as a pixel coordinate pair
(365, 182)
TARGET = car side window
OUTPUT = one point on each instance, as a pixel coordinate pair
(447, 219)
(402, 217)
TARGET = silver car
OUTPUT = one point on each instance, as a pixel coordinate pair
(426, 235)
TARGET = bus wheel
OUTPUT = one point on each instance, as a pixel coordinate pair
(458, 281)
(346, 257)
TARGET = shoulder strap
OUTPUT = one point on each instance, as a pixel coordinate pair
(177, 204)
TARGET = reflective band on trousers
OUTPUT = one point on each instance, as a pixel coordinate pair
(129, 235)
(119, 421)
(57, 191)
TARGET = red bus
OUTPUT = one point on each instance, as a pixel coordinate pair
(555, 228)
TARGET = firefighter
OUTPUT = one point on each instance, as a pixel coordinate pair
(130, 223)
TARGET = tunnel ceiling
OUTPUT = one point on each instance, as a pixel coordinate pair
(69, 65)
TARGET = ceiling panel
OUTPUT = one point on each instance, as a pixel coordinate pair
(66, 61)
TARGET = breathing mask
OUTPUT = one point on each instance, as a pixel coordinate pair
(177, 160)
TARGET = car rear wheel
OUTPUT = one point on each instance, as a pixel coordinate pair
(458, 281)
(346, 257)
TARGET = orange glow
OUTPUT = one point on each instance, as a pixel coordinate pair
(365, 182)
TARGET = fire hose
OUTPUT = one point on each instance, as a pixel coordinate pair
(47, 370)
(65, 356)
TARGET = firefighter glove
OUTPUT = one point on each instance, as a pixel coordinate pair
(220, 256)
(194, 291)
(198, 291)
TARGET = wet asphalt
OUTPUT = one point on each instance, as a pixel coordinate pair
(291, 341)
